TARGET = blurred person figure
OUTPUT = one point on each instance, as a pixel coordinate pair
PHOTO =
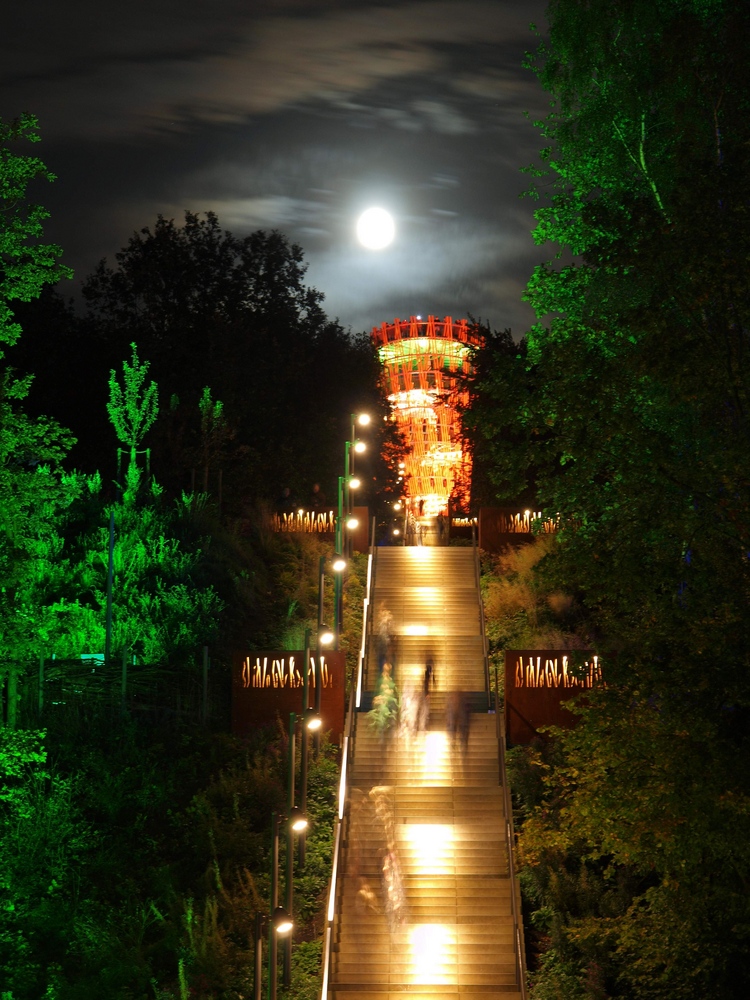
(409, 716)
(394, 895)
(285, 501)
(428, 683)
(440, 527)
(458, 720)
(317, 499)
(385, 629)
(411, 527)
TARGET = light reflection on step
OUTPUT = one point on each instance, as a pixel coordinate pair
(432, 955)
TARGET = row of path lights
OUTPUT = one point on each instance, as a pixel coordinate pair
(280, 922)
(346, 484)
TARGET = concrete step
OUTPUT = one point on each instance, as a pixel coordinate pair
(344, 992)
(438, 805)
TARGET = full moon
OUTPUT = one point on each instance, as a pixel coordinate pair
(375, 229)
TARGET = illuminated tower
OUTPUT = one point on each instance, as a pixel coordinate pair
(422, 360)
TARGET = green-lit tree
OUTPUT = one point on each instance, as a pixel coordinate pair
(630, 403)
(132, 408)
(34, 492)
(26, 263)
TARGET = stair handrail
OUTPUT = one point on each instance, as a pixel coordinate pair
(346, 758)
(482, 628)
(338, 824)
(511, 840)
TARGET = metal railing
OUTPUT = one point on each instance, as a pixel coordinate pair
(510, 841)
(346, 759)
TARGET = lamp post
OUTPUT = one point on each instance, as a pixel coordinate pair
(296, 822)
(289, 886)
(339, 563)
(351, 483)
(353, 445)
(279, 924)
(311, 721)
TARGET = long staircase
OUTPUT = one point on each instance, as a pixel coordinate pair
(421, 902)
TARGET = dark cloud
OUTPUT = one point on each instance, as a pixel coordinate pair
(296, 116)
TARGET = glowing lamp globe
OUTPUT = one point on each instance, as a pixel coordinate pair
(375, 229)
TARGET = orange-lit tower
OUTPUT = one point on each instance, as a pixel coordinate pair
(421, 361)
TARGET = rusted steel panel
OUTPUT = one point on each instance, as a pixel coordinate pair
(269, 683)
(537, 681)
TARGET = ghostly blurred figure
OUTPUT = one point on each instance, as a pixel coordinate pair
(409, 716)
(458, 720)
(393, 893)
(385, 630)
(428, 683)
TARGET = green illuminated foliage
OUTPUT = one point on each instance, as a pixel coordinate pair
(35, 493)
(628, 406)
(26, 264)
(42, 841)
(132, 408)
(36, 499)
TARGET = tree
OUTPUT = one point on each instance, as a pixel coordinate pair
(35, 493)
(215, 433)
(210, 308)
(26, 265)
(132, 408)
(631, 399)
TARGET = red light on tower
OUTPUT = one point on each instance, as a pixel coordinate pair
(422, 361)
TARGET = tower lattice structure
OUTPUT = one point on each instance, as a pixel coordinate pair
(422, 362)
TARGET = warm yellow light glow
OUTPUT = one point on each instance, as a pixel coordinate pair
(325, 638)
(354, 484)
(339, 565)
(299, 824)
(352, 523)
(313, 721)
(375, 229)
(360, 446)
(420, 552)
(434, 768)
(397, 506)
(433, 959)
(363, 419)
(301, 511)
(416, 630)
(281, 921)
(430, 847)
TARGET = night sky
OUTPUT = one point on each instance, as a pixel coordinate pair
(295, 116)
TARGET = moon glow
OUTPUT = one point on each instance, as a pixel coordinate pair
(375, 229)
